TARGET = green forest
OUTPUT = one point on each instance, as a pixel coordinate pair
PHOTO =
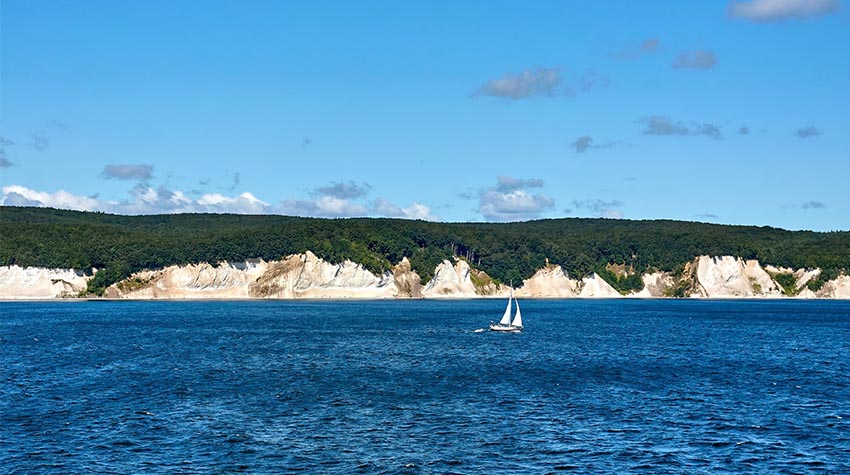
(120, 245)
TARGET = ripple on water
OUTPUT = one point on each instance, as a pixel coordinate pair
(408, 387)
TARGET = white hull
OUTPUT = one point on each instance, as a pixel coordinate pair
(505, 328)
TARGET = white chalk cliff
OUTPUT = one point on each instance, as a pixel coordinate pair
(458, 280)
(198, 281)
(594, 286)
(297, 276)
(729, 276)
(450, 281)
(838, 288)
(39, 283)
(307, 276)
(550, 281)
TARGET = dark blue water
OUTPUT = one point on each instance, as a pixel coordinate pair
(408, 387)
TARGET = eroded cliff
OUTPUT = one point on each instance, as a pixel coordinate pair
(307, 276)
(39, 283)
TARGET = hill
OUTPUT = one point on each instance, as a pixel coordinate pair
(619, 250)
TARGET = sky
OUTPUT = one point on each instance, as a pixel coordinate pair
(725, 112)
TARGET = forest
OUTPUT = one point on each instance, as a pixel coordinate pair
(119, 245)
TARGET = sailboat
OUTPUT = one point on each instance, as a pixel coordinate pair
(505, 324)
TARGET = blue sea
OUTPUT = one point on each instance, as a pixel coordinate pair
(409, 387)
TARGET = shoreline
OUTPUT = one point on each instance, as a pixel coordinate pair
(409, 299)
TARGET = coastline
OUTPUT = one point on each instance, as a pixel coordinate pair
(307, 277)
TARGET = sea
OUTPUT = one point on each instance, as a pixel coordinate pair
(414, 387)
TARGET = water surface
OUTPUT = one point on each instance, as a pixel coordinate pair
(655, 386)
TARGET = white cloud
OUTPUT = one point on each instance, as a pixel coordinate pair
(517, 205)
(336, 200)
(323, 206)
(386, 208)
(246, 203)
(777, 10)
(383, 207)
(509, 201)
(346, 199)
(148, 200)
(419, 211)
(333, 206)
(144, 200)
(12, 195)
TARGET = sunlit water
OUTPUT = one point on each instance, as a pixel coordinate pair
(410, 387)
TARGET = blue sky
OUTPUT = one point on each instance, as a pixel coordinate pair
(727, 112)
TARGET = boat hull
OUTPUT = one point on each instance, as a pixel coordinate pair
(505, 328)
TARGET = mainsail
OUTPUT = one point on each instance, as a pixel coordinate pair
(506, 318)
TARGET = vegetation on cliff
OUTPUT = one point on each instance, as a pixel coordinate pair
(120, 245)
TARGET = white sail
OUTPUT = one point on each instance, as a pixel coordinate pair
(518, 318)
(506, 318)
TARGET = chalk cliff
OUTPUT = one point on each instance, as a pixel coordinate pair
(307, 276)
(39, 283)
(458, 280)
(550, 281)
(595, 287)
(227, 280)
(296, 276)
(836, 289)
(727, 276)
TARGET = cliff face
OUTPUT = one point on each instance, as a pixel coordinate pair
(199, 281)
(407, 282)
(450, 281)
(728, 276)
(307, 276)
(836, 289)
(39, 283)
(594, 287)
(458, 280)
(551, 281)
(297, 276)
